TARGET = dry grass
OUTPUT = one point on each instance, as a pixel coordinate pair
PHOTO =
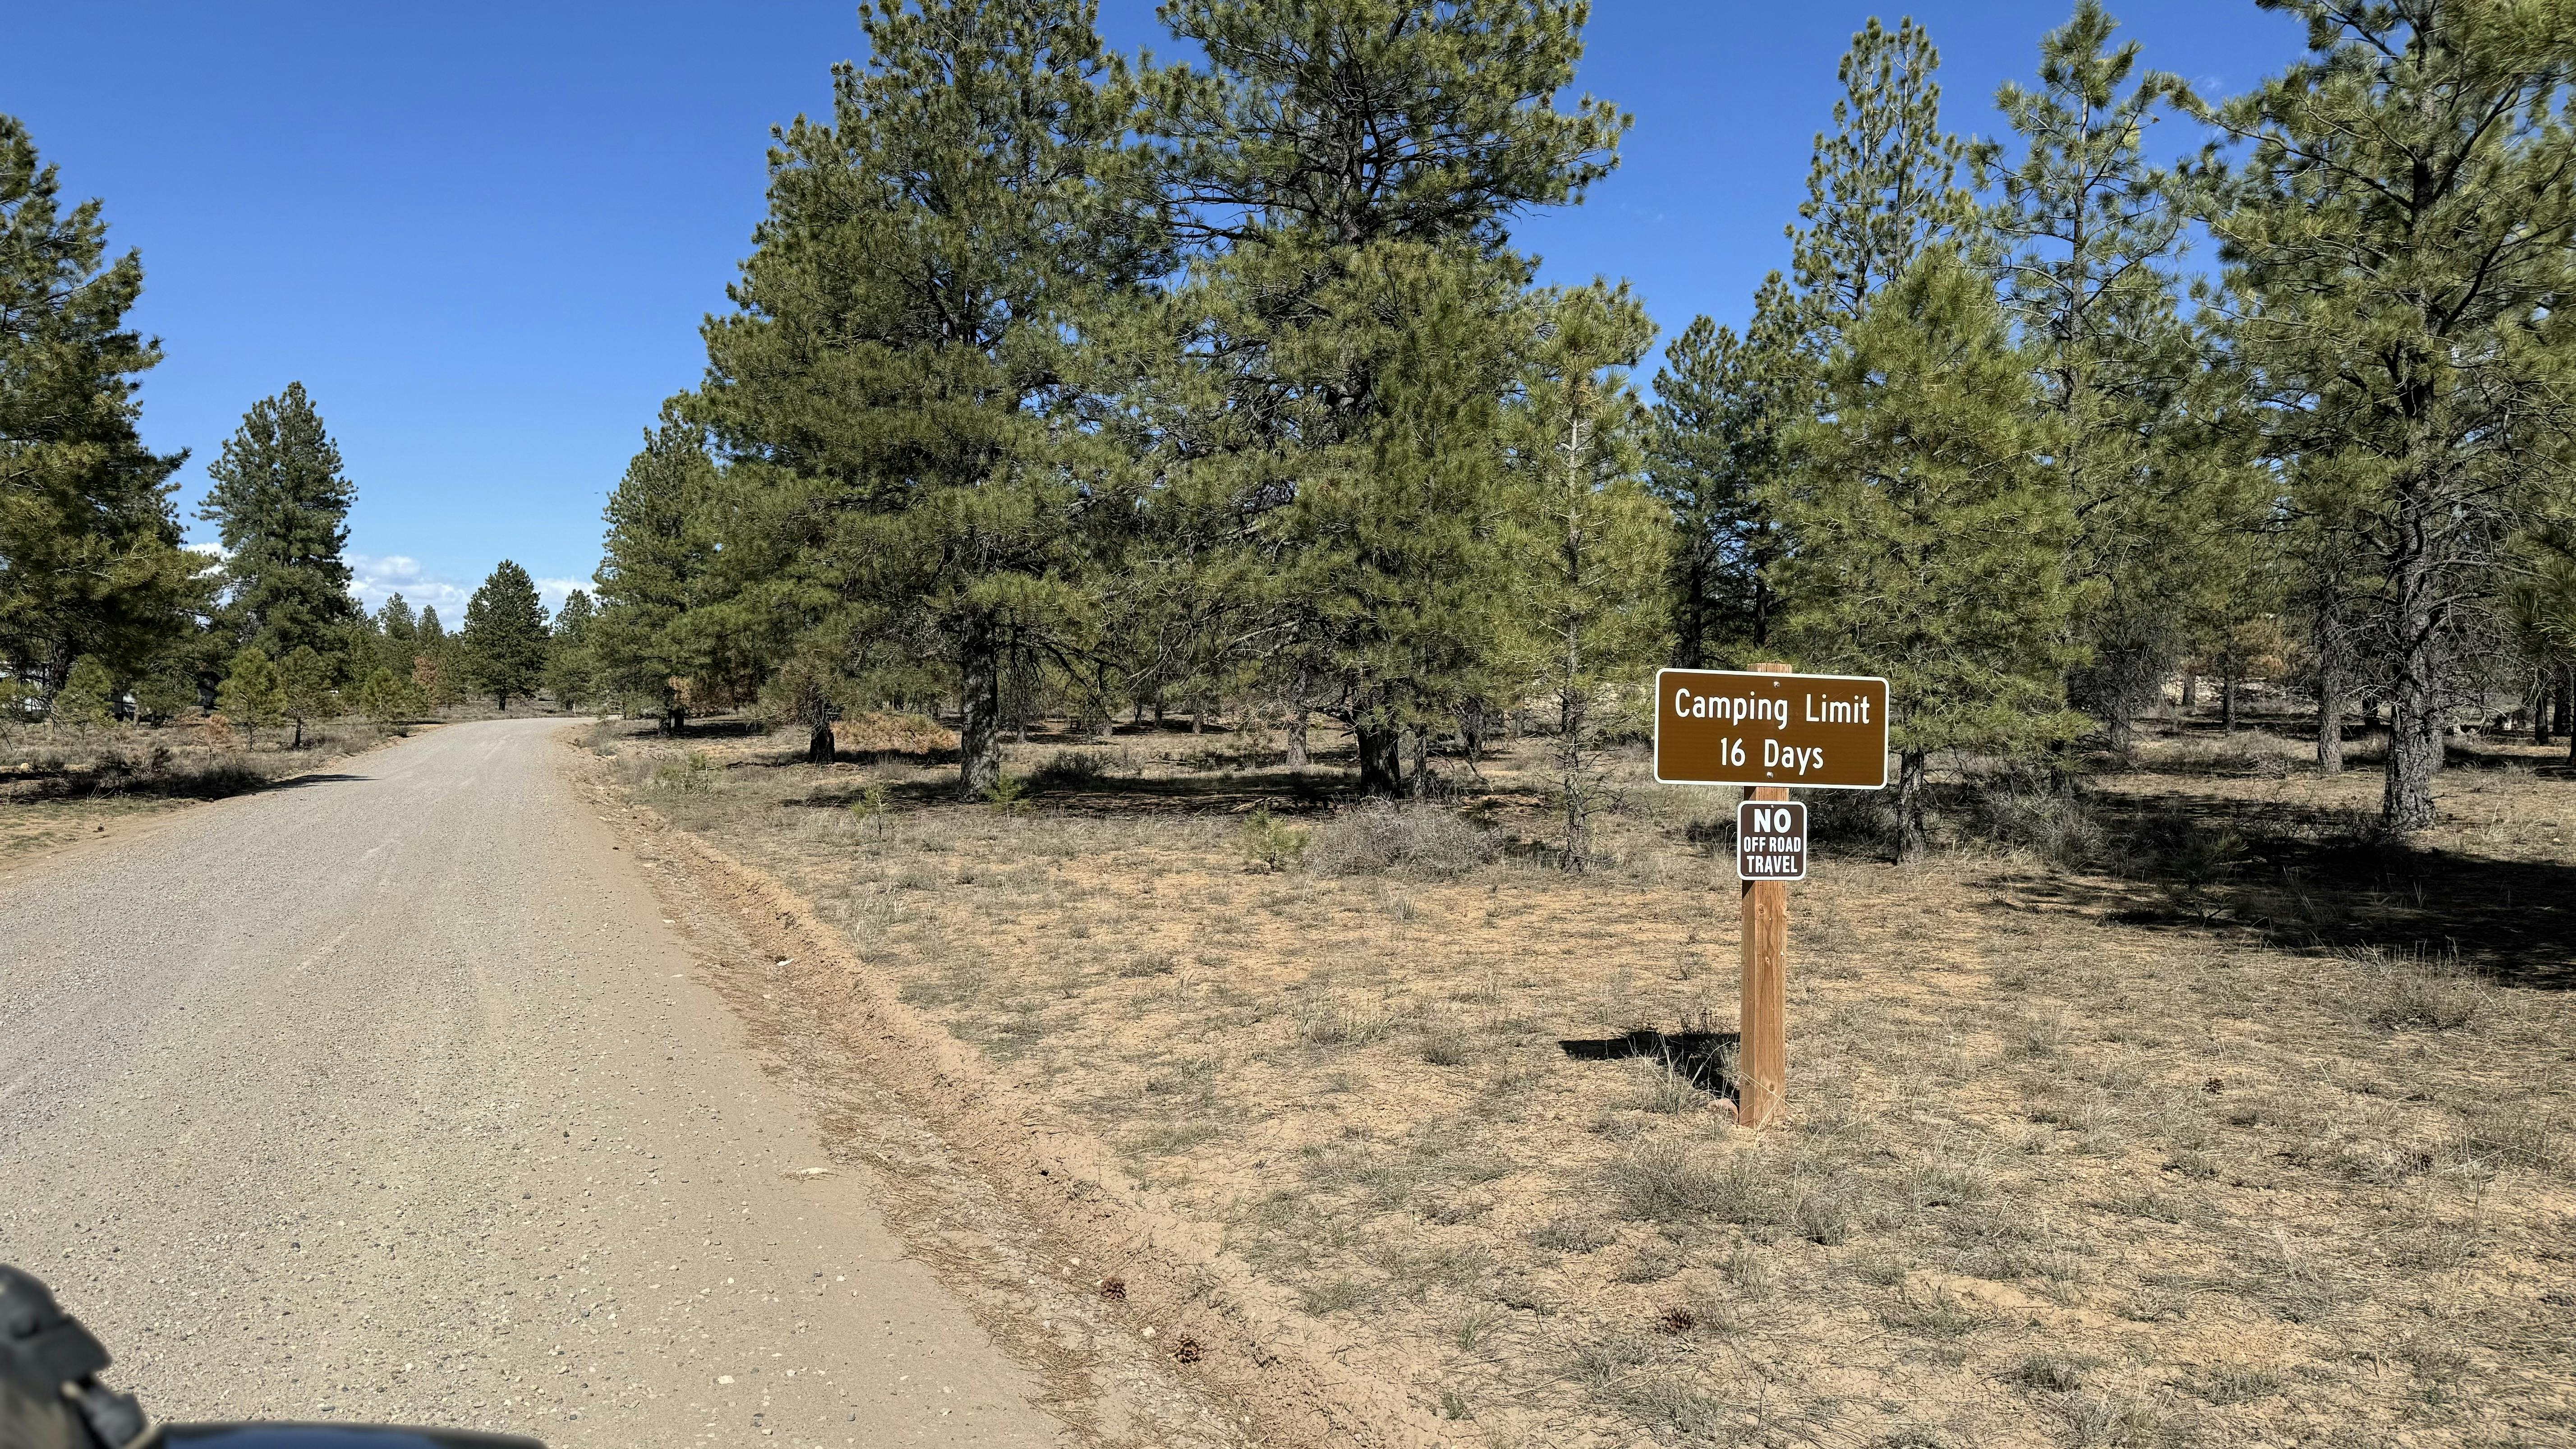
(2183, 1114)
(59, 786)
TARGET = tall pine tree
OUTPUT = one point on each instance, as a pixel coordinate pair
(657, 566)
(2150, 422)
(505, 637)
(1925, 541)
(1722, 403)
(2404, 237)
(1883, 183)
(281, 506)
(1589, 548)
(899, 395)
(90, 562)
(1346, 172)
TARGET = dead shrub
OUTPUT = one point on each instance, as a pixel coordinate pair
(1574, 1233)
(2418, 991)
(1664, 1182)
(1383, 837)
(1338, 1023)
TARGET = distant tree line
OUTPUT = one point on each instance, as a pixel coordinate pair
(103, 610)
(1057, 383)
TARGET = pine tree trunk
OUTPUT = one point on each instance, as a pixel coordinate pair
(2415, 745)
(1690, 648)
(1912, 841)
(298, 742)
(2544, 704)
(979, 714)
(1418, 779)
(1297, 737)
(2567, 707)
(2227, 697)
(2330, 692)
(1381, 758)
(2190, 691)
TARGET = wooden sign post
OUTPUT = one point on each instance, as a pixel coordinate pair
(1768, 729)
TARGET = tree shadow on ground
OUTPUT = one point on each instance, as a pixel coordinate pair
(1283, 792)
(2314, 878)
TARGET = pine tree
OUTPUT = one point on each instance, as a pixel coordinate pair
(570, 667)
(657, 567)
(282, 507)
(1884, 182)
(1925, 542)
(389, 698)
(1722, 404)
(1590, 548)
(434, 669)
(898, 399)
(397, 621)
(162, 692)
(253, 695)
(2149, 421)
(1346, 173)
(2402, 235)
(90, 562)
(310, 697)
(505, 639)
(87, 700)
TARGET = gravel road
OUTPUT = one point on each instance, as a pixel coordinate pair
(389, 1096)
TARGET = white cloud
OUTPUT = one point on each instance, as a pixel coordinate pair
(377, 577)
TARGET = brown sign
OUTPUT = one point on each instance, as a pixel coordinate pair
(1771, 840)
(1817, 731)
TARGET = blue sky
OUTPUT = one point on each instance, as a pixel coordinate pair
(483, 235)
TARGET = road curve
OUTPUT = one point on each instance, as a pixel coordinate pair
(389, 1096)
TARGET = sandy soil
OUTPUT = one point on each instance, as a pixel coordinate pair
(2191, 1117)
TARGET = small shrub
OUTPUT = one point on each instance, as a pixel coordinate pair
(1821, 1213)
(872, 807)
(1713, 834)
(1383, 837)
(2096, 1419)
(2057, 1373)
(2056, 824)
(1336, 1023)
(1332, 1295)
(1666, 1182)
(1574, 1233)
(1269, 842)
(1008, 794)
(688, 776)
(1447, 1044)
(1653, 1262)
(1849, 820)
(1670, 1090)
(1750, 1272)
(1069, 769)
(2229, 1383)
(1932, 1314)
(2415, 992)
(1150, 963)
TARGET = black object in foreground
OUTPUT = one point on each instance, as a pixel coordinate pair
(50, 1396)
